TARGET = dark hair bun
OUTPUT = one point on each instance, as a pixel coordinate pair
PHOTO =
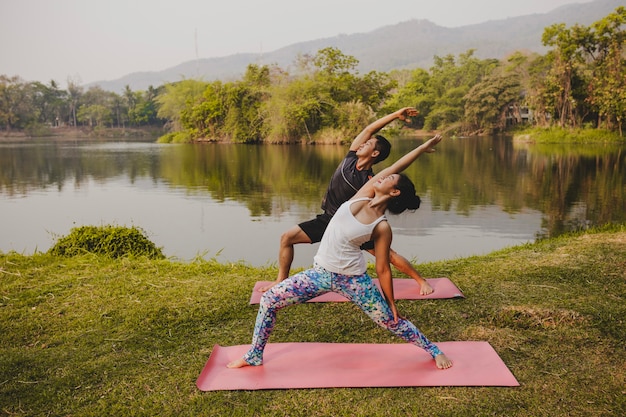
(407, 198)
(401, 203)
(414, 203)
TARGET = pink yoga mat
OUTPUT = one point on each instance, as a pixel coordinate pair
(403, 289)
(335, 365)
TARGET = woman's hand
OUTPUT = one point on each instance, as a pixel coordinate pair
(429, 145)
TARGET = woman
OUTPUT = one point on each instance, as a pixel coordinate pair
(340, 265)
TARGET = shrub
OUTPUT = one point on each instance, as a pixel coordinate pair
(110, 241)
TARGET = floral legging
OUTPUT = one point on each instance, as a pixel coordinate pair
(358, 289)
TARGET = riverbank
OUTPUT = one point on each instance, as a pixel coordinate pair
(62, 134)
(90, 336)
(531, 135)
(71, 133)
(552, 135)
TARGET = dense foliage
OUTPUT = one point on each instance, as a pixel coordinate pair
(580, 81)
(34, 107)
(109, 241)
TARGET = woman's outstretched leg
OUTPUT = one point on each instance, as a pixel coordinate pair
(361, 291)
(296, 289)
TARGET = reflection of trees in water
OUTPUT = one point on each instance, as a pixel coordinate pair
(573, 186)
(268, 179)
(27, 168)
(578, 187)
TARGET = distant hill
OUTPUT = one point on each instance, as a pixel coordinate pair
(409, 44)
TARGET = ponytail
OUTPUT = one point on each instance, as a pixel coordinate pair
(407, 198)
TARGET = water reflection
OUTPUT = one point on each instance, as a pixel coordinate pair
(479, 194)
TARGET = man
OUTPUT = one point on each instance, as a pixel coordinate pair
(353, 172)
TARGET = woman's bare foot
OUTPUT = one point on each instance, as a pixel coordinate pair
(239, 363)
(442, 361)
(425, 288)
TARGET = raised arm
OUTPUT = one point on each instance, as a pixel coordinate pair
(400, 165)
(404, 162)
(374, 127)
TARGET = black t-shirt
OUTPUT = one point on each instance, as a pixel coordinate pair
(344, 183)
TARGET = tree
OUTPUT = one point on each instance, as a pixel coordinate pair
(175, 98)
(539, 96)
(607, 88)
(326, 95)
(373, 89)
(334, 63)
(244, 120)
(94, 115)
(74, 93)
(412, 91)
(230, 110)
(449, 84)
(48, 101)
(205, 118)
(588, 71)
(293, 109)
(488, 102)
(144, 110)
(119, 110)
(95, 107)
(564, 76)
(335, 74)
(15, 103)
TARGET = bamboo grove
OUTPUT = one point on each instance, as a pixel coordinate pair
(580, 82)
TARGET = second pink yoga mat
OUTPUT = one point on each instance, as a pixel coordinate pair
(403, 289)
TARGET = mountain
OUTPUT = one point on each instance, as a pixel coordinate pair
(408, 44)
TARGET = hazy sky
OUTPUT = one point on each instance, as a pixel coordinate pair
(93, 40)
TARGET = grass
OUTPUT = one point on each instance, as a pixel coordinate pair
(93, 336)
(559, 135)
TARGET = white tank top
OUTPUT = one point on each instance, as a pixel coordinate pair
(340, 248)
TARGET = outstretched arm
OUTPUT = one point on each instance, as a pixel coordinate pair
(404, 162)
(400, 165)
(374, 127)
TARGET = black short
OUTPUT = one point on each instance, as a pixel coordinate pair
(315, 229)
(369, 245)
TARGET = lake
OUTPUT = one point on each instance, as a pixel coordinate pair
(232, 202)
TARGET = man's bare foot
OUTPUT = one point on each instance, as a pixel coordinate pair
(239, 363)
(442, 361)
(425, 288)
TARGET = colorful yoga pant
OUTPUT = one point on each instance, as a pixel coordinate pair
(358, 289)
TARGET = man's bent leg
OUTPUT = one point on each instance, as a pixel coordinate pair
(289, 238)
(403, 265)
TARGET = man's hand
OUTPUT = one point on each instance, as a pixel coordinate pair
(405, 113)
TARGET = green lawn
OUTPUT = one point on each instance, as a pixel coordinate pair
(90, 336)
